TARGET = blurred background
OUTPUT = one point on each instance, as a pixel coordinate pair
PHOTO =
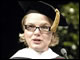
(70, 35)
(11, 15)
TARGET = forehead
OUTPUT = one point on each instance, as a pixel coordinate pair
(36, 18)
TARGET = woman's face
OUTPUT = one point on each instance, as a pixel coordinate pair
(37, 39)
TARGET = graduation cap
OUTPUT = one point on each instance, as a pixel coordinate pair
(46, 9)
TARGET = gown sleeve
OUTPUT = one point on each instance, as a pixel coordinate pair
(20, 58)
(59, 57)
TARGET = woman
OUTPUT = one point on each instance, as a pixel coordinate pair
(39, 32)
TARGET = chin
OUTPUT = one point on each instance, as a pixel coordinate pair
(36, 46)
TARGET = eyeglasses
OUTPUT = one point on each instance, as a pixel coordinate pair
(33, 28)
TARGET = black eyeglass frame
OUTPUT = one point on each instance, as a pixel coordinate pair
(49, 28)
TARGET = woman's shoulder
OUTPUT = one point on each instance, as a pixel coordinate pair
(19, 53)
(23, 50)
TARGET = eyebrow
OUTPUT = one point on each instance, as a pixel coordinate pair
(29, 24)
(42, 24)
(45, 24)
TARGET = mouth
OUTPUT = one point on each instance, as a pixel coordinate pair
(37, 41)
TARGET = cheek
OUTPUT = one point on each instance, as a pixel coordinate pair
(27, 36)
(47, 38)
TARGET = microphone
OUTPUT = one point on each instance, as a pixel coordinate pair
(64, 53)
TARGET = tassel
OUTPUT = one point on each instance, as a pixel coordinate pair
(56, 21)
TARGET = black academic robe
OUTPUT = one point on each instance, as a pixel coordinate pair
(59, 57)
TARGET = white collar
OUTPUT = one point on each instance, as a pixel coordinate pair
(30, 53)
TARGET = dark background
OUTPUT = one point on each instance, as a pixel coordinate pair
(10, 20)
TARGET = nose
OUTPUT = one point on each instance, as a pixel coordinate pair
(37, 32)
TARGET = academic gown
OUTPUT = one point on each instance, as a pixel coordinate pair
(28, 53)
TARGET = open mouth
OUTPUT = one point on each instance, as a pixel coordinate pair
(37, 41)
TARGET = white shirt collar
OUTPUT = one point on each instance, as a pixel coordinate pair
(30, 53)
